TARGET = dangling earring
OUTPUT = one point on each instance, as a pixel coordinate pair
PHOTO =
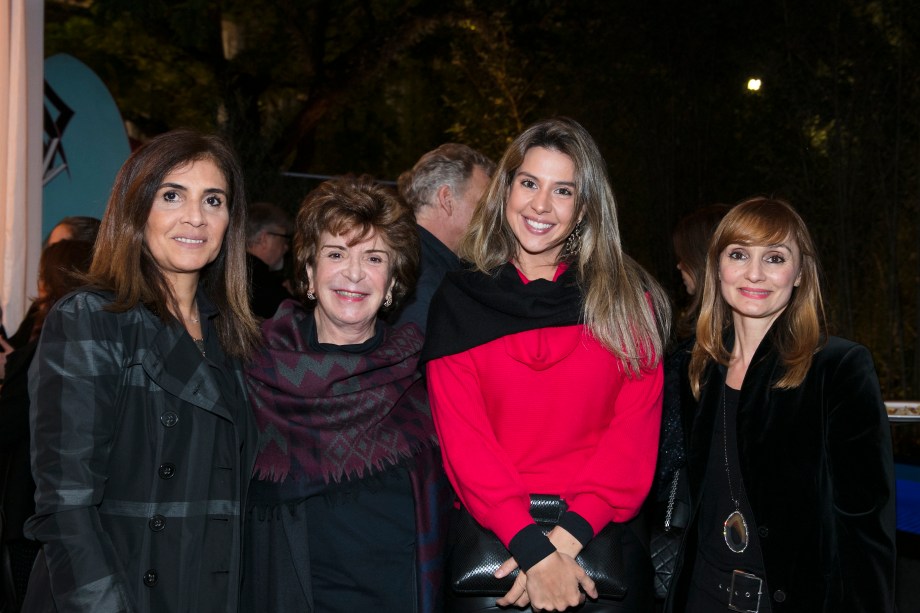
(573, 242)
(389, 300)
(310, 295)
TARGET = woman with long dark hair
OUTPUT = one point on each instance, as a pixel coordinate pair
(142, 437)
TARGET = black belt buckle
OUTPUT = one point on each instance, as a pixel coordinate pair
(745, 591)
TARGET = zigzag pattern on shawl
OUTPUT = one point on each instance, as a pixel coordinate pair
(335, 415)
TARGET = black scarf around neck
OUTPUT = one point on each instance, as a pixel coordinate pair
(472, 308)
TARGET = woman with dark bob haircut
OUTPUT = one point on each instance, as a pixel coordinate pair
(789, 455)
(344, 514)
(142, 438)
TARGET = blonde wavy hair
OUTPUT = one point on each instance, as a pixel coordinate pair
(624, 308)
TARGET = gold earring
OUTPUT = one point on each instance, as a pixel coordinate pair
(573, 242)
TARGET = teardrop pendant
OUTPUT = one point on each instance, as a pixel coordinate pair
(735, 532)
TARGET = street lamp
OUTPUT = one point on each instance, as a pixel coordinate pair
(753, 85)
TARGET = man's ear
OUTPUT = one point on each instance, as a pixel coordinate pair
(446, 199)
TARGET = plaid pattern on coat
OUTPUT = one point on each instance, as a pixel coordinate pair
(141, 452)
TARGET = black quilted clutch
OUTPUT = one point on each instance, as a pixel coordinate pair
(666, 536)
(474, 553)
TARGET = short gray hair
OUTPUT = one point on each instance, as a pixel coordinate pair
(450, 164)
(264, 215)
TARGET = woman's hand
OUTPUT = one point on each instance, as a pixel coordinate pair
(517, 595)
(552, 584)
(564, 542)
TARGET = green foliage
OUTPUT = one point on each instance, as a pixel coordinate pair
(333, 86)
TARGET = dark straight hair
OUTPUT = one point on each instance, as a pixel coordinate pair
(123, 263)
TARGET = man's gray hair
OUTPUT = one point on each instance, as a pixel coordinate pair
(450, 164)
(262, 215)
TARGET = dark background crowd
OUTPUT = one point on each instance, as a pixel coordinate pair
(333, 86)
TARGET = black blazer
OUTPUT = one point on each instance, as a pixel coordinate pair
(819, 473)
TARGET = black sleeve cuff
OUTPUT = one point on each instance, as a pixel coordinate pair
(577, 526)
(529, 546)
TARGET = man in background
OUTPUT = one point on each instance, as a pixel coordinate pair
(268, 238)
(442, 188)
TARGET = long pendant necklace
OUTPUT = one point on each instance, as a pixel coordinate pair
(735, 528)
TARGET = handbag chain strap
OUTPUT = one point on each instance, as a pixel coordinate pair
(671, 498)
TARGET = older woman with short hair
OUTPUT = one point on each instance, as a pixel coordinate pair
(342, 515)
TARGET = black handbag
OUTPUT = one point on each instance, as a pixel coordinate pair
(666, 536)
(474, 553)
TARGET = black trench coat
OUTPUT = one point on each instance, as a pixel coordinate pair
(141, 452)
(818, 470)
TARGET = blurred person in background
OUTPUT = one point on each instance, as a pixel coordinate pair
(442, 188)
(60, 271)
(268, 238)
(691, 238)
(669, 507)
(77, 227)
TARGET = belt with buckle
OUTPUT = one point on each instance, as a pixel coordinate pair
(744, 592)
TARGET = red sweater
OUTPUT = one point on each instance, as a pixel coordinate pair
(547, 411)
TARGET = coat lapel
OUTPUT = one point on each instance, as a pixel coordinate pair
(173, 362)
(757, 413)
(700, 435)
(753, 410)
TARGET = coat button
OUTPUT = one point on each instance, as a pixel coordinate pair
(157, 523)
(151, 578)
(779, 595)
(169, 419)
(763, 531)
(167, 470)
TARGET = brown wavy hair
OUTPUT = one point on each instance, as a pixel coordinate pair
(359, 204)
(123, 263)
(800, 330)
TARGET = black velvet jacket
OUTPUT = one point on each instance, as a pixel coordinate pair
(818, 469)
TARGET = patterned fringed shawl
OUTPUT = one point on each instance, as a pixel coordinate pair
(331, 416)
(328, 416)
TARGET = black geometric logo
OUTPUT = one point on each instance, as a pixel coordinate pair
(56, 115)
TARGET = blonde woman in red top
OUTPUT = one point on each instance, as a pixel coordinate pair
(544, 371)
